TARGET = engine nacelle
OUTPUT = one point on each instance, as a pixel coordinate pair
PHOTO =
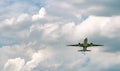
(91, 43)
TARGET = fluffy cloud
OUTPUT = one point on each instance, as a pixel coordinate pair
(14, 64)
(42, 60)
(37, 42)
(111, 28)
(19, 64)
(41, 14)
(88, 7)
(74, 30)
(36, 59)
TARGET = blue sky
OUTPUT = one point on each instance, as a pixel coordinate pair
(34, 35)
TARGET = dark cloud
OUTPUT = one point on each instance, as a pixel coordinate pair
(110, 44)
(103, 7)
(95, 7)
(112, 68)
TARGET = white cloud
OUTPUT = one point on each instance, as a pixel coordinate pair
(89, 27)
(37, 58)
(104, 26)
(14, 64)
(50, 31)
(60, 26)
(7, 22)
(111, 29)
(41, 14)
(22, 17)
(105, 60)
(19, 64)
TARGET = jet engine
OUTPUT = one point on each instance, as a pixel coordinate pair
(79, 43)
(91, 43)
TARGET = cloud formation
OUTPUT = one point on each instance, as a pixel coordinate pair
(37, 41)
(41, 14)
(91, 7)
(19, 64)
(14, 64)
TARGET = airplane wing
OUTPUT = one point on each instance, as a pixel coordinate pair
(96, 45)
(80, 45)
(91, 44)
(74, 45)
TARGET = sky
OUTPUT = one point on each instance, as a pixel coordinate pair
(34, 35)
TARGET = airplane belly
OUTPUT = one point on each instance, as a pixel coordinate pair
(85, 45)
(84, 48)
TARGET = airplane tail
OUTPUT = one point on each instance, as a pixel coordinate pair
(84, 50)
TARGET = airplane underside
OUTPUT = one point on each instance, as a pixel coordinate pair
(84, 45)
(84, 49)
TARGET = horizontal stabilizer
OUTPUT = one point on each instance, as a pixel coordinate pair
(83, 50)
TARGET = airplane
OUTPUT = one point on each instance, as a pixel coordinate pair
(85, 44)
